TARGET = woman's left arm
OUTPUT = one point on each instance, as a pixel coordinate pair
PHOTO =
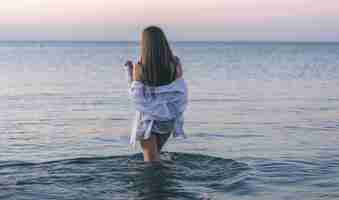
(137, 72)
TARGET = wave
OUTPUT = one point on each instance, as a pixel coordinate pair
(178, 176)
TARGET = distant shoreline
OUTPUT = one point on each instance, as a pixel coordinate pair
(181, 41)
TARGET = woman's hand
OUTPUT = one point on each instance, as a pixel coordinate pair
(129, 70)
(134, 71)
(129, 64)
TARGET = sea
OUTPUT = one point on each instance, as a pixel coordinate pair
(262, 123)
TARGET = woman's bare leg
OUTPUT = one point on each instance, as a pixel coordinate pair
(150, 149)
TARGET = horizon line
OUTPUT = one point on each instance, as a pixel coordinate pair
(180, 41)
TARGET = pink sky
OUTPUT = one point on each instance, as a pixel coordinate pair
(182, 19)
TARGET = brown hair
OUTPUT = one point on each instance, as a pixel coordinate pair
(157, 61)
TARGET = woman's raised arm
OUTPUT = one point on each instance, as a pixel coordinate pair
(137, 72)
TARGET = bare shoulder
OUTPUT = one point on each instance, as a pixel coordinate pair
(137, 72)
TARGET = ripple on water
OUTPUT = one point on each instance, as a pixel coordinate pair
(178, 176)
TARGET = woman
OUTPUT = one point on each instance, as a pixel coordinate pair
(159, 94)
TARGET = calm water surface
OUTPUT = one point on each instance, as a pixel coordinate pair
(262, 123)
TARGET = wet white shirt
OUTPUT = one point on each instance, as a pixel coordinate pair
(158, 109)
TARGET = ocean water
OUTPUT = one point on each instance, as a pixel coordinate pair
(262, 123)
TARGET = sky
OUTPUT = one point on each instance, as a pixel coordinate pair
(182, 20)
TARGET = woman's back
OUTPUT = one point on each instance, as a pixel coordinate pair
(158, 92)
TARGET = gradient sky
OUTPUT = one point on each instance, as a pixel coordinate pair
(283, 20)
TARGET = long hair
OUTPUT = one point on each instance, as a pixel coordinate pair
(157, 60)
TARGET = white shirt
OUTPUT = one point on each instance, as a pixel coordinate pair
(153, 105)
